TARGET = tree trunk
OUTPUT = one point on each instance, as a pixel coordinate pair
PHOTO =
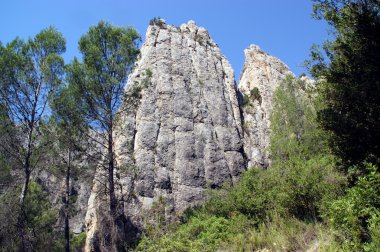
(67, 202)
(111, 184)
(21, 220)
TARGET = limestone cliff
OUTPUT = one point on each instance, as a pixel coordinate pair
(261, 75)
(179, 127)
(183, 127)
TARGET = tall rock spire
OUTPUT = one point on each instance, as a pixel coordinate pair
(179, 129)
(261, 75)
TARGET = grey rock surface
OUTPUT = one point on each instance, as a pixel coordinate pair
(187, 125)
(179, 130)
(80, 189)
(183, 127)
(262, 74)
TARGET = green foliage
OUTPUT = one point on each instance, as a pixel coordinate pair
(108, 55)
(135, 92)
(356, 215)
(299, 189)
(146, 81)
(348, 69)
(251, 197)
(77, 242)
(155, 221)
(31, 72)
(299, 153)
(7, 135)
(157, 21)
(39, 208)
(282, 234)
(39, 214)
(295, 132)
(255, 94)
(245, 100)
(9, 211)
(202, 232)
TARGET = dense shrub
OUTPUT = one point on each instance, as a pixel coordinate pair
(255, 94)
(157, 21)
(39, 214)
(299, 189)
(201, 232)
(357, 215)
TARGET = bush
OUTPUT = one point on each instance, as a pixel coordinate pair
(77, 241)
(252, 196)
(40, 218)
(356, 215)
(255, 94)
(245, 100)
(157, 21)
(283, 234)
(201, 232)
(298, 188)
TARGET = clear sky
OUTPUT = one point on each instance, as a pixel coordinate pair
(283, 28)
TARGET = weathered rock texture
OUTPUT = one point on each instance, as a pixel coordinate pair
(179, 130)
(261, 75)
(80, 189)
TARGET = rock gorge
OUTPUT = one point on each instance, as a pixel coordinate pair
(184, 126)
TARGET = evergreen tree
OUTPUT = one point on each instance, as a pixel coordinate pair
(30, 73)
(349, 71)
(109, 53)
(68, 131)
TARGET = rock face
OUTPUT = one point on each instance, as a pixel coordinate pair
(261, 75)
(180, 127)
(80, 192)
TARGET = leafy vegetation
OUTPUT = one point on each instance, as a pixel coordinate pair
(254, 94)
(108, 55)
(356, 215)
(157, 21)
(47, 110)
(30, 74)
(40, 217)
(348, 69)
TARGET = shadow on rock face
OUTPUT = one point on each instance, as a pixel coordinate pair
(130, 231)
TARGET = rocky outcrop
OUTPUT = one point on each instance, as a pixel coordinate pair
(261, 75)
(80, 189)
(180, 127)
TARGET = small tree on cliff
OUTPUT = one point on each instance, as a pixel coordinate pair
(30, 73)
(109, 53)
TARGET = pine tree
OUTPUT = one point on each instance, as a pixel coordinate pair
(109, 53)
(30, 73)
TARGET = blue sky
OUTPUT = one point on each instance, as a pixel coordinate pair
(283, 28)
